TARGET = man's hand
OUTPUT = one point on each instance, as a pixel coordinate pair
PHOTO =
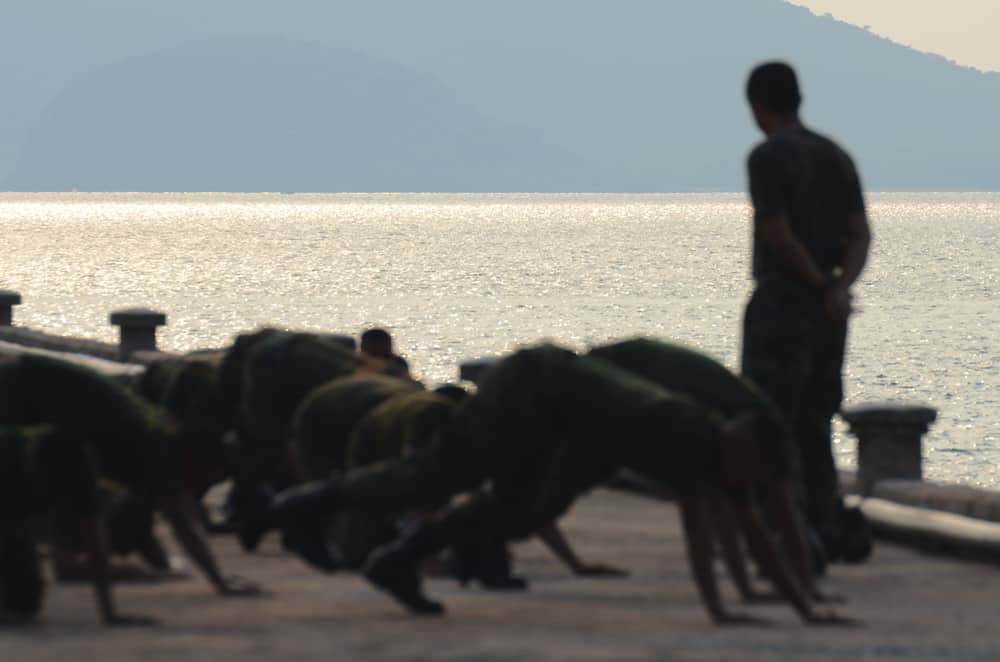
(729, 619)
(829, 618)
(837, 301)
(755, 597)
(599, 570)
(238, 587)
(124, 620)
(827, 598)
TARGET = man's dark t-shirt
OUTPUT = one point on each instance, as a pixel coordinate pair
(812, 182)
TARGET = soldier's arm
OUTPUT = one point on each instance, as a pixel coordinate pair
(781, 504)
(727, 533)
(696, 518)
(773, 564)
(552, 536)
(180, 512)
(99, 553)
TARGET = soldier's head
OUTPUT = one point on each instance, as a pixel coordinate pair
(377, 342)
(749, 444)
(773, 94)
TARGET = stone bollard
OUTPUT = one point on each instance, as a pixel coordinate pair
(888, 441)
(473, 370)
(137, 329)
(8, 300)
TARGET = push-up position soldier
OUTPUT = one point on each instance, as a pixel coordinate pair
(130, 441)
(545, 426)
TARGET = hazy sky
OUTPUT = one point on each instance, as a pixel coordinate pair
(961, 30)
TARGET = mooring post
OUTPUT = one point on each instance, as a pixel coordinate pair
(889, 441)
(473, 370)
(8, 300)
(137, 329)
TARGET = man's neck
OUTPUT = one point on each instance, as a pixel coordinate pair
(782, 122)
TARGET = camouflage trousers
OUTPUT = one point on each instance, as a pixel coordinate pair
(795, 354)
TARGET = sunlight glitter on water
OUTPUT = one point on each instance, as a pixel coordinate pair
(459, 276)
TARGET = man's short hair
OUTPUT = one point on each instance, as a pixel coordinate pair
(377, 342)
(376, 335)
(774, 86)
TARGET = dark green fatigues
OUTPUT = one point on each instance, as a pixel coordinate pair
(39, 473)
(129, 438)
(324, 421)
(399, 426)
(710, 384)
(544, 426)
(278, 371)
(791, 349)
(188, 388)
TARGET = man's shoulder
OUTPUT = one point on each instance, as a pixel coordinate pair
(760, 152)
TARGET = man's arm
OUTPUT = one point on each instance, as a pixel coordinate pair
(726, 532)
(99, 552)
(859, 239)
(558, 545)
(780, 238)
(180, 512)
(695, 516)
(778, 235)
(784, 580)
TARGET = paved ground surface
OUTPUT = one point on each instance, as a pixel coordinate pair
(914, 607)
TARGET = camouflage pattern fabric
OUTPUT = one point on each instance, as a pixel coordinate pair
(710, 384)
(795, 355)
(130, 437)
(545, 426)
(324, 421)
(278, 372)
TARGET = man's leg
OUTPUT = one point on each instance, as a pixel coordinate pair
(425, 480)
(821, 399)
(21, 584)
(395, 568)
(778, 356)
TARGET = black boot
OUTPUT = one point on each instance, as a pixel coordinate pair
(495, 570)
(314, 546)
(484, 560)
(395, 569)
(301, 513)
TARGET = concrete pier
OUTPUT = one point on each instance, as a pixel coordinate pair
(889, 441)
(912, 607)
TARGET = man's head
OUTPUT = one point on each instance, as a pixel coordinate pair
(751, 449)
(377, 342)
(773, 93)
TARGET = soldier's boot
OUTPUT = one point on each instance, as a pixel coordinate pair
(486, 561)
(301, 512)
(395, 567)
(314, 546)
(495, 572)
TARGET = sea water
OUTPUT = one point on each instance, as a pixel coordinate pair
(455, 277)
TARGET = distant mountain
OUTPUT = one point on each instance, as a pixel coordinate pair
(541, 95)
(264, 115)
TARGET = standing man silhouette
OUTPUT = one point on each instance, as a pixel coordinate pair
(810, 244)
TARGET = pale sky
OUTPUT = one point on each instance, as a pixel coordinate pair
(966, 31)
